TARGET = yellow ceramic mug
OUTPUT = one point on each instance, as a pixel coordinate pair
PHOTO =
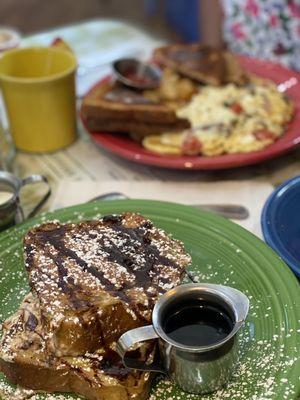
(38, 85)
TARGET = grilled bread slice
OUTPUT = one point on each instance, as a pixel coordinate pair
(196, 61)
(97, 376)
(97, 279)
(113, 108)
(203, 63)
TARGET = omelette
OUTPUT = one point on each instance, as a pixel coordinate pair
(227, 119)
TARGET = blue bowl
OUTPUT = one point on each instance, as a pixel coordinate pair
(280, 221)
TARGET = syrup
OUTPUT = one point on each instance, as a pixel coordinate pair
(202, 324)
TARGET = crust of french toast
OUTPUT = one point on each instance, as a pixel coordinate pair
(96, 280)
(129, 126)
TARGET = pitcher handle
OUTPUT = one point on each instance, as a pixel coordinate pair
(37, 179)
(130, 338)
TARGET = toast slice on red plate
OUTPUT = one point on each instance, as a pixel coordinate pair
(112, 107)
(203, 63)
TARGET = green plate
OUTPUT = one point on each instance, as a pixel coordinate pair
(223, 253)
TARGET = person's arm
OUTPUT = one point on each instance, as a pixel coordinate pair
(210, 21)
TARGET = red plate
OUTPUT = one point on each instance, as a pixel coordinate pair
(125, 147)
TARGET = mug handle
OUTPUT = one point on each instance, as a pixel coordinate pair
(130, 338)
(37, 179)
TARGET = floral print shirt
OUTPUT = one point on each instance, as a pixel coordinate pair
(266, 29)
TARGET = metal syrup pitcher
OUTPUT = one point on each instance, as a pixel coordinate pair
(195, 369)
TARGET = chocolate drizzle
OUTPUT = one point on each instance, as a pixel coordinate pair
(112, 218)
(143, 245)
(29, 250)
(111, 363)
(55, 239)
(31, 322)
(65, 282)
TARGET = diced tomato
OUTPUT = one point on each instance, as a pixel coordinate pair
(264, 134)
(236, 108)
(191, 145)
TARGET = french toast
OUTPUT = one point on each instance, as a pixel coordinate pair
(97, 376)
(203, 63)
(113, 108)
(96, 280)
